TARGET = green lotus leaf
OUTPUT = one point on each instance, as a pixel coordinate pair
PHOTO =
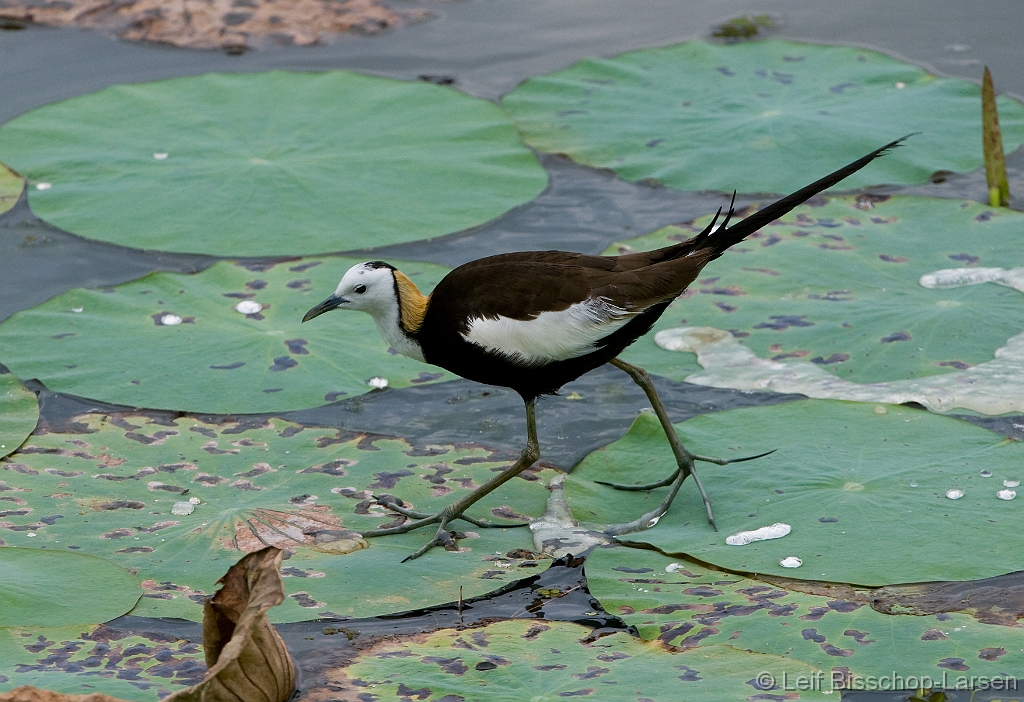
(43, 588)
(97, 659)
(766, 116)
(838, 285)
(864, 489)
(11, 185)
(532, 660)
(19, 411)
(683, 604)
(176, 341)
(122, 489)
(270, 164)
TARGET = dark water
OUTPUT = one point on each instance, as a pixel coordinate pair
(488, 47)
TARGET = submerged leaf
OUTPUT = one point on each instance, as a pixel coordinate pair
(111, 491)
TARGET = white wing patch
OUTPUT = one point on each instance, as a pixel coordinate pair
(550, 336)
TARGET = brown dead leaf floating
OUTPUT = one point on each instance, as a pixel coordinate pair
(247, 658)
(214, 24)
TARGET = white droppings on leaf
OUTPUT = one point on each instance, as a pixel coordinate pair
(791, 562)
(160, 155)
(775, 531)
(248, 307)
(194, 500)
(78, 310)
(900, 85)
(954, 493)
(673, 567)
(377, 382)
(1011, 483)
(43, 186)
(183, 509)
(170, 320)
(1006, 494)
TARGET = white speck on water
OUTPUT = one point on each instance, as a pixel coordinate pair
(194, 500)
(775, 531)
(160, 155)
(954, 493)
(1011, 483)
(183, 509)
(170, 320)
(900, 85)
(791, 562)
(1006, 494)
(43, 186)
(377, 382)
(673, 567)
(78, 310)
(986, 474)
(248, 307)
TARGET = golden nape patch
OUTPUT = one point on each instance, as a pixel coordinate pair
(412, 303)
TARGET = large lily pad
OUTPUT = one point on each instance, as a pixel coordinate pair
(121, 489)
(19, 411)
(42, 587)
(524, 660)
(274, 163)
(691, 606)
(863, 487)
(97, 659)
(838, 285)
(767, 116)
(175, 341)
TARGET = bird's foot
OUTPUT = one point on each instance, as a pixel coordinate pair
(445, 538)
(675, 481)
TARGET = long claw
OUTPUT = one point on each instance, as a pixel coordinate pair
(727, 461)
(640, 488)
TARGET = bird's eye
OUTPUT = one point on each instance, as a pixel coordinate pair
(359, 289)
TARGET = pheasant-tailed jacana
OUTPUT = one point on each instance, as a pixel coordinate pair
(536, 320)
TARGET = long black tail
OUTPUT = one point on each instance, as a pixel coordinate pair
(721, 238)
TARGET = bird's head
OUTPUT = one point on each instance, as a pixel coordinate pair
(368, 287)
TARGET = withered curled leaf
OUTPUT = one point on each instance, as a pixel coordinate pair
(248, 659)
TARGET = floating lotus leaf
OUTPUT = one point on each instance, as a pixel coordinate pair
(531, 660)
(19, 412)
(270, 164)
(59, 588)
(176, 341)
(683, 604)
(766, 116)
(97, 659)
(11, 185)
(837, 285)
(122, 489)
(863, 487)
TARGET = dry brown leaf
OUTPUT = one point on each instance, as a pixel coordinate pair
(214, 24)
(247, 658)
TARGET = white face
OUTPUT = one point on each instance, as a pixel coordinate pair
(367, 289)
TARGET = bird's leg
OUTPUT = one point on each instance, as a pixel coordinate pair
(445, 537)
